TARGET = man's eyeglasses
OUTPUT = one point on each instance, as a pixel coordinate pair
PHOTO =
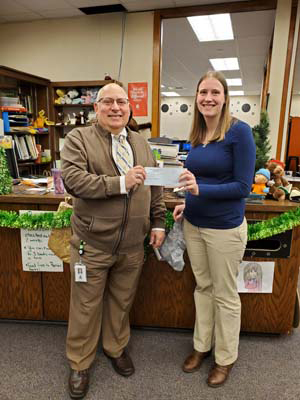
(108, 101)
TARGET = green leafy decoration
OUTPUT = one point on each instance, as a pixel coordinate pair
(5, 178)
(62, 219)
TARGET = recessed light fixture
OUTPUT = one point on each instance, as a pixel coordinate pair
(234, 82)
(162, 86)
(224, 64)
(236, 93)
(212, 27)
(170, 94)
(171, 87)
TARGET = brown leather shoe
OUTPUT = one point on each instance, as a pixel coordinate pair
(123, 365)
(78, 383)
(218, 375)
(194, 361)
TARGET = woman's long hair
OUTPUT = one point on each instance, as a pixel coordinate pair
(199, 129)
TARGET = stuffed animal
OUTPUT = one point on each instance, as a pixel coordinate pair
(86, 96)
(42, 120)
(277, 190)
(261, 178)
(61, 94)
(75, 97)
(63, 97)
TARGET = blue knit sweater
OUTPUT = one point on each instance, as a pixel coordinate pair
(224, 172)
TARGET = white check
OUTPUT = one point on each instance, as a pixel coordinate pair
(162, 176)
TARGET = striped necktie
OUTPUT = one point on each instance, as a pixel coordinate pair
(123, 158)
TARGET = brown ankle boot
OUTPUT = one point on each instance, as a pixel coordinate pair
(218, 375)
(194, 361)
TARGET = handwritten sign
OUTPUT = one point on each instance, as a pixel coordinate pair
(36, 255)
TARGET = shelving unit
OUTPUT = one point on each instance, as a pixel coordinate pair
(67, 110)
(33, 93)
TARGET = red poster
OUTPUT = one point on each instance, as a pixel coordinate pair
(138, 98)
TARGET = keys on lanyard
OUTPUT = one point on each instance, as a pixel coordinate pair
(79, 267)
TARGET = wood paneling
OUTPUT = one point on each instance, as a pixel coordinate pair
(56, 294)
(165, 296)
(286, 81)
(20, 292)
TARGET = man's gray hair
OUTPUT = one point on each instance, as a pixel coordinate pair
(100, 92)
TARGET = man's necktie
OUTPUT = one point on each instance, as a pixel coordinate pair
(123, 159)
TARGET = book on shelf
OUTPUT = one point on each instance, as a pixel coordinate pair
(26, 147)
(31, 144)
(8, 108)
(24, 150)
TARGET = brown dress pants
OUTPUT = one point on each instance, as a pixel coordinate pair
(103, 302)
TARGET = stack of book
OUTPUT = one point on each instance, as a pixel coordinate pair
(167, 152)
(26, 147)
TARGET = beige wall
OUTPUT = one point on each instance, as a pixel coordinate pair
(82, 48)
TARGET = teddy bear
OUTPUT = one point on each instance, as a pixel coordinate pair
(61, 94)
(262, 177)
(278, 189)
(74, 95)
(63, 97)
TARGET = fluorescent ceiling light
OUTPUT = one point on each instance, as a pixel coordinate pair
(170, 94)
(224, 64)
(236, 93)
(212, 27)
(162, 86)
(234, 82)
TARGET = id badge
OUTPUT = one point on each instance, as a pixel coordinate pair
(80, 272)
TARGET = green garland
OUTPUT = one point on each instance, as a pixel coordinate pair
(5, 178)
(30, 221)
(61, 219)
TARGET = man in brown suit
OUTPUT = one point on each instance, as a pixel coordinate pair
(113, 212)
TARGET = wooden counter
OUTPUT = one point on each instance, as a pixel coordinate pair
(164, 297)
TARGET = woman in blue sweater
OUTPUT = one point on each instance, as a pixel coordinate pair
(218, 176)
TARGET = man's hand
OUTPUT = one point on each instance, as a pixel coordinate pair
(157, 238)
(188, 181)
(135, 176)
(178, 212)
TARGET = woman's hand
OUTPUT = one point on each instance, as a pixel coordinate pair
(178, 212)
(188, 181)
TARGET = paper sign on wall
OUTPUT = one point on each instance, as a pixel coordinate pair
(256, 277)
(36, 255)
(138, 98)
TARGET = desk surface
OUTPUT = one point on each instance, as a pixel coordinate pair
(170, 198)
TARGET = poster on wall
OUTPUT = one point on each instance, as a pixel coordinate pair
(36, 255)
(256, 277)
(138, 98)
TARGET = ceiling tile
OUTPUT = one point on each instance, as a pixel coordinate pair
(37, 5)
(138, 5)
(62, 13)
(10, 7)
(92, 3)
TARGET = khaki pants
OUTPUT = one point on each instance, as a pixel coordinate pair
(215, 255)
(104, 301)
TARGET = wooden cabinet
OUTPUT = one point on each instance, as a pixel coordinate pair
(164, 297)
(33, 93)
(73, 113)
